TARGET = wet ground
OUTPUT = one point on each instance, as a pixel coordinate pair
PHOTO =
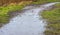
(27, 23)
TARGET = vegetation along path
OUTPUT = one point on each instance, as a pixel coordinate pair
(27, 23)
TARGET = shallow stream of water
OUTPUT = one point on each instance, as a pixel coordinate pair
(27, 23)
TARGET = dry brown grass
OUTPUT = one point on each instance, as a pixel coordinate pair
(6, 2)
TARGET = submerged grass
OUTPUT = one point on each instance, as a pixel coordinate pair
(53, 19)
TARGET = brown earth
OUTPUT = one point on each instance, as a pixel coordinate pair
(5, 2)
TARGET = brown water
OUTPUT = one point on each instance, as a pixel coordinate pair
(27, 23)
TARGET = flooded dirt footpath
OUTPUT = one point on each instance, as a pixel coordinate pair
(27, 23)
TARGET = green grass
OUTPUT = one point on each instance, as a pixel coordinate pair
(4, 10)
(4, 17)
(49, 32)
(53, 19)
(45, 1)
